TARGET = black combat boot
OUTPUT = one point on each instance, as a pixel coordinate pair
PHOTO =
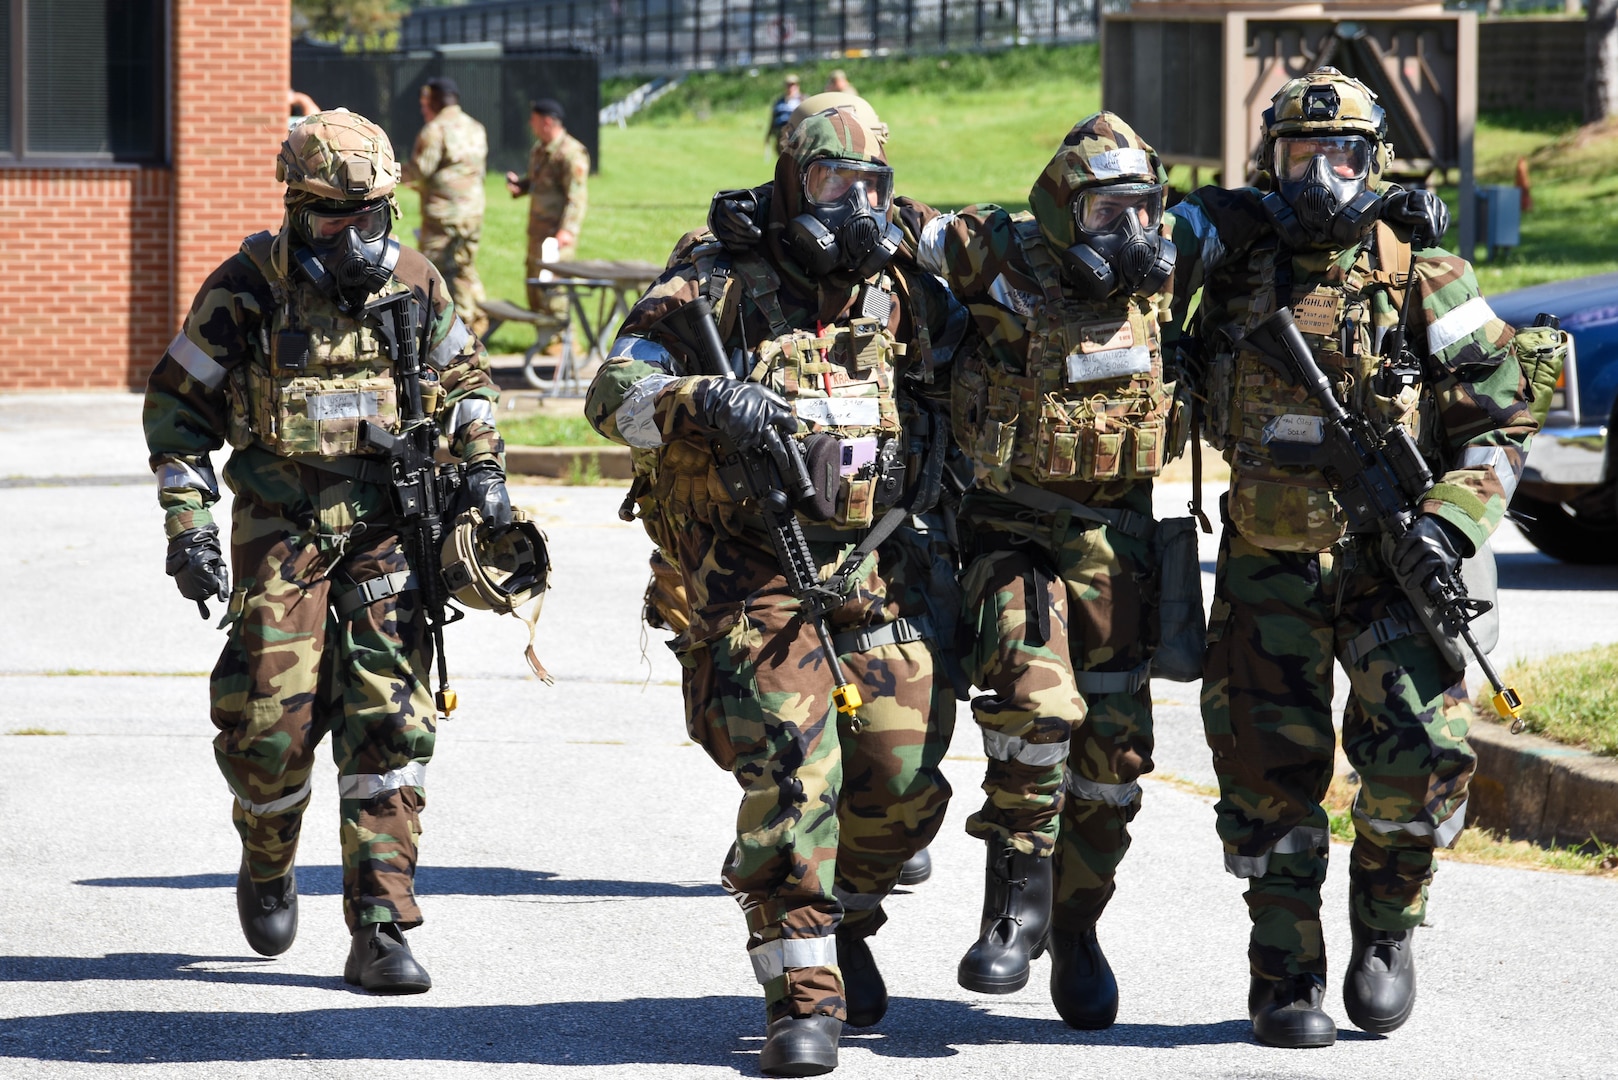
(863, 988)
(268, 911)
(1016, 922)
(1082, 986)
(917, 869)
(1286, 1012)
(800, 1046)
(1379, 987)
(380, 961)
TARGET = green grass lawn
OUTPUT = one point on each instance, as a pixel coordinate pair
(1571, 698)
(542, 430)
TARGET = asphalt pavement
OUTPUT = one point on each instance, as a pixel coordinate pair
(573, 841)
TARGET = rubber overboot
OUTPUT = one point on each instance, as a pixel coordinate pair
(1287, 1013)
(800, 1046)
(917, 869)
(380, 961)
(1379, 987)
(1016, 922)
(863, 988)
(1082, 985)
(268, 911)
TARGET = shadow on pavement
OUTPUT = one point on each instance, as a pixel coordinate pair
(438, 881)
(719, 1030)
(156, 967)
(1531, 570)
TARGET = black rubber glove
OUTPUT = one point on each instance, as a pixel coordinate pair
(486, 493)
(1432, 546)
(1190, 361)
(733, 218)
(743, 411)
(196, 562)
(1422, 211)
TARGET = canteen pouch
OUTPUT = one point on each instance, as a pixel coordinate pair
(1182, 630)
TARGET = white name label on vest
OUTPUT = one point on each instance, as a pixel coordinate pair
(1290, 427)
(1109, 364)
(840, 412)
(343, 405)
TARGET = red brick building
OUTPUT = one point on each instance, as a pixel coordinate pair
(137, 148)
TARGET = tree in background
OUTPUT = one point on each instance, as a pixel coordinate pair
(1601, 61)
(360, 23)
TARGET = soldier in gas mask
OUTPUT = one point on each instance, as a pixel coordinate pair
(1295, 592)
(819, 325)
(325, 628)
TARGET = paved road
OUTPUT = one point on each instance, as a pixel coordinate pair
(572, 842)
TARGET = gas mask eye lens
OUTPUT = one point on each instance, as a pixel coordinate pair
(828, 182)
(1347, 157)
(1103, 210)
(327, 223)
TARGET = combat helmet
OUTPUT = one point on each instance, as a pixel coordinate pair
(838, 190)
(836, 99)
(339, 156)
(1325, 146)
(1099, 203)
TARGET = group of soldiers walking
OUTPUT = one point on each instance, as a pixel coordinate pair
(888, 454)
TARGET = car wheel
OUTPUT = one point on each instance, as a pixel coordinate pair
(1552, 529)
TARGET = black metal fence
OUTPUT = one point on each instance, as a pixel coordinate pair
(654, 36)
(496, 90)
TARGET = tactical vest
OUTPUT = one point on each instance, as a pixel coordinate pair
(1090, 403)
(1269, 430)
(314, 372)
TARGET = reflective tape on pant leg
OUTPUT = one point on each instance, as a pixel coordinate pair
(1097, 683)
(1003, 747)
(370, 785)
(1095, 791)
(1443, 834)
(857, 901)
(1295, 841)
(276, 806)
(771, 959)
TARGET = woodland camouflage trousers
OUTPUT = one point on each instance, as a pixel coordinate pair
(291, 671)
(1060, 621)
(1279, 623)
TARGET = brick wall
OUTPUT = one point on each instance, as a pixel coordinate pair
(100, 265)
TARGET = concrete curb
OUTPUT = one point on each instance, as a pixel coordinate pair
(560, 461)
(1541, 791)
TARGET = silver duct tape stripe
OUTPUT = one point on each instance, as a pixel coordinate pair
(1002, 293)
(771, 959)
(1120, 161)
(858, 901)
(1002, 747)
(1213, 250)
(1113, 682)
(1295, 841)
(637, 416)
(198, 364)
(370, 785)
(930, 246)
(276, 806)
(183, 474)
(1094, 791)
(470, 410)
(647, 351)
(1493, 457)
(1442, 834)
(444, 353)
(1461, 322)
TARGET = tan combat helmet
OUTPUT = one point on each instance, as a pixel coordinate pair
(833, 99)
(339, 156)
(1326, 102)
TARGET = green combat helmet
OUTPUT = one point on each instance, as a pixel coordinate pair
(1325, 144)
(839, 189)
(340, 174)
(1099, 203)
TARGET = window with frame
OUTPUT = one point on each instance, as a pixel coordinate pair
(83, 81)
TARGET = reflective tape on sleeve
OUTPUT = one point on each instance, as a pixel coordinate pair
(468, 410)
(198, 364)
(182, 474)
(370, 785)
(1212, 249)
(1442, 834)
(1492, 457)
(1095, 791)
(647, 351)
(444, 353)
(1461, 322)
(771, 959)
(930, 245)
(637, 416)
(276, 806)
(1003, 747)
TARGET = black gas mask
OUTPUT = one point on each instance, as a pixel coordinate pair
(1120, 251)
(845, 227)
(1322, 184)
(350, 255)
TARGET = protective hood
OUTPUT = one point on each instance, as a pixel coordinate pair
(1100, 149)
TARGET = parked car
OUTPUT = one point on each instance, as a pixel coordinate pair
(1567, 501)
